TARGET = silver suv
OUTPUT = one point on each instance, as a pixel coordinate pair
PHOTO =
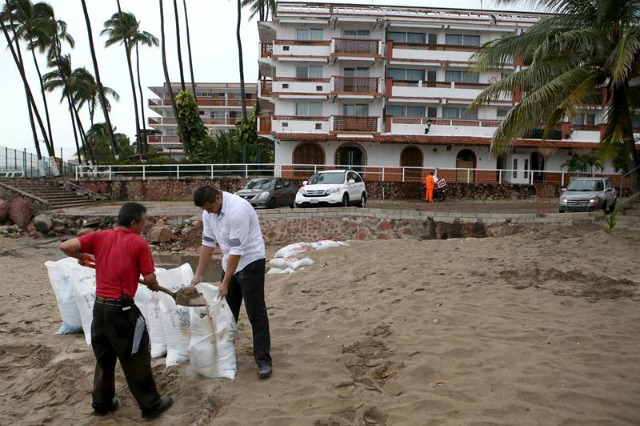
(588, 194)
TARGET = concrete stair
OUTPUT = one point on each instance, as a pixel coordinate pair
(57, 193)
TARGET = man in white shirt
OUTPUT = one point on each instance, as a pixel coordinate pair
(231, 223)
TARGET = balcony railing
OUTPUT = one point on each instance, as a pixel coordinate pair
(266, 87)
(164, 139)
(266, 50)
(364, 85)
(354, 123)
(211, 121)
(355, 46)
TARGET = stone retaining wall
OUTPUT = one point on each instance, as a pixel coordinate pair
(172, 189)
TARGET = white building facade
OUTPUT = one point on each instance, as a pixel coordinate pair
(375, 87)
(219, 105)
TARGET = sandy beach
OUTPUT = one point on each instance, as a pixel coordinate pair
(539, 328)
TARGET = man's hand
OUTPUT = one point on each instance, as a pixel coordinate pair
(150, 281)
(197, 279)
(223, 289)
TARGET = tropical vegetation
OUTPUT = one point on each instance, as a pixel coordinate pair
(585, 53)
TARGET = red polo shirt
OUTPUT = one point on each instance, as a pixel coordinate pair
(121, 256)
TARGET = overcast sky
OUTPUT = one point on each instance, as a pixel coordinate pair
(212, 24)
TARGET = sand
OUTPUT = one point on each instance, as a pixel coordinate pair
(541, 328)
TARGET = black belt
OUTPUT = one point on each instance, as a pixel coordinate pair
(111, 302)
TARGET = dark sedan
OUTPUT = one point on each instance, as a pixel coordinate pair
(269, 192)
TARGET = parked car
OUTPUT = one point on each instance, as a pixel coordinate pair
(588, 194)
(332, 188)
(269, 192)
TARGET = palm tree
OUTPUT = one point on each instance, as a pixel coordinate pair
(186, 21)
(167, 80)
(119, 29)
(243, 101)
(262, 8)
(586, 49)
(103, 100)
(175, 11)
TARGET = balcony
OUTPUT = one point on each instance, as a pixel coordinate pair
(295, 88)
(293, 124)
(310, 50)
(435, 90)
(441, 54)
(207, 121)
(354, 124)
(356, 87)
(441, 126)
(266, 50)
(163, 140)
(356, 49)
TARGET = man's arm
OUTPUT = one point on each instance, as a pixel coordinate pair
(72, 248)
(232, 264)
(203, 263)
(150, 281)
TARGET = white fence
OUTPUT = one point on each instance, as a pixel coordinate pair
(304, 171)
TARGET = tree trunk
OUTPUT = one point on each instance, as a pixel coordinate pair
(44, 97)
(619, 101)
(186, 21)
(133, 84)
(168, 81)
(243, 101)
(144, 119)
(103, 100)
(30, 96)
(175, 9)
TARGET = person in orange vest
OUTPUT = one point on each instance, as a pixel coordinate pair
(430, 183)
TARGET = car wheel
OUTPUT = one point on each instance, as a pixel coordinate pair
(440, 196)
(612, 207)
(345, 201)
(271, 204)
(363, 200)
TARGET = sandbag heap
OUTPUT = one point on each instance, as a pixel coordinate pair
(285, 260)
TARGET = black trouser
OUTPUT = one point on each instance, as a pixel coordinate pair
(248, 284)
(112, 333)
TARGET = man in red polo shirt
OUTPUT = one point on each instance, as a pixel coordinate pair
(118, 330)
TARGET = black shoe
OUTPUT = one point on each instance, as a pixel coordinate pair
(103, 412)
(165, 403)
(264, 371)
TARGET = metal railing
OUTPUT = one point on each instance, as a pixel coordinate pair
(16, 163)
(304, 171)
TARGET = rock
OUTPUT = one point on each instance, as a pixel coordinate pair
(160, 234)
(148, 225)
(42, 222)
(21, 212)
(186, 231)
(4, 209)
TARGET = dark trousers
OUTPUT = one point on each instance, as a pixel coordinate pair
(112, 333)
(248, 284)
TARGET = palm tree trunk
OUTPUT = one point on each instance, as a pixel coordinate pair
(168, 81)
(73, 110)
(186, 20)
(620, 101)
(29, 94)
(103, 100)
(44, 97)
(133, 84)
(175, 9)
(243, 101)
(88, 151)
(142, 106)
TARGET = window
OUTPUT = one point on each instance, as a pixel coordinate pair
(357, 33)
(309, 72)
(502, 112)
(356, 72)
(458, 113)
(405, 74)
(432, 112)
(431, 75)
(461, 77)
(406, 111)
(355, 109)
(462, 40)
(309, 34)
(410, 37)
(309, 109)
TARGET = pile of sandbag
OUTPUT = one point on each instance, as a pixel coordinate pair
(204, 336)
(285, 260)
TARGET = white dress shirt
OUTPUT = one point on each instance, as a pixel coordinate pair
(236, 229)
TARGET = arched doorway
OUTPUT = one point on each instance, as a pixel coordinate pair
(466, 159)
(412, 158)
(351, 156)
(537, 165)
(307, 153)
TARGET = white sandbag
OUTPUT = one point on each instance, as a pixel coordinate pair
(212, 350)
(278, 262)
(325, 244)
(154, 326)
(63, 290)
(295, 263)
(175, 319)
(83, 280)
(292, 250)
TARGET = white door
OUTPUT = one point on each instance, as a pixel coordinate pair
(520, 169)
